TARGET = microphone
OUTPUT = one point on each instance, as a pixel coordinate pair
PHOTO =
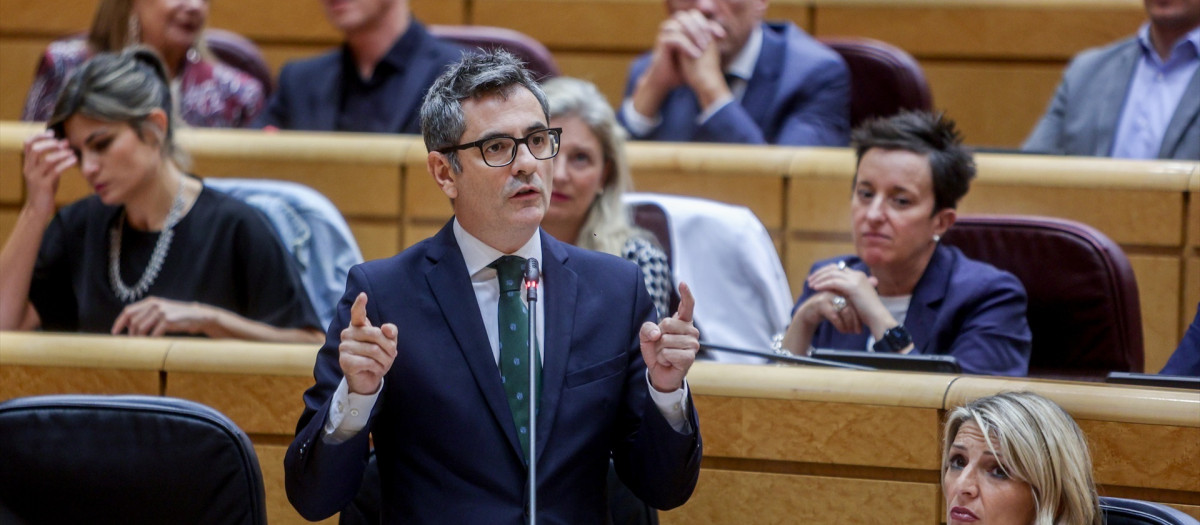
(532, 276)
(796, 359)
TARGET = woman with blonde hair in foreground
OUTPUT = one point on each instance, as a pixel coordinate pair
(1032, 468)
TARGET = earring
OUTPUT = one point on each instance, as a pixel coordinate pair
(133, 33)
(937, 238)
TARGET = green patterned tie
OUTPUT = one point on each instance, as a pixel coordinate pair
(513, 324)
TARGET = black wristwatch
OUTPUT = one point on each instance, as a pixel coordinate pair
(894, 340)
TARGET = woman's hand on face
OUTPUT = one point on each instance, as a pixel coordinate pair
(155, 316)
(44, 159)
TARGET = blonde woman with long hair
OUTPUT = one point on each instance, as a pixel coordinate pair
(1017, 458)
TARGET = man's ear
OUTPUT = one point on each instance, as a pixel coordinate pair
(943, 220)
(443, 173)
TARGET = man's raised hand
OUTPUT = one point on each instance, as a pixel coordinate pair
(366, 353)
(670, 346)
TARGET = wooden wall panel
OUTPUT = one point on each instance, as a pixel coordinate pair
(304, 21)
(377, 240)
(258, 404)
(1158, 291)
(19, 58)
(344, 184)
(1113, 443)
(724, 497)
(417, 232)
(608, 70)
(8, 220)
(21, 381)
(279, 510)
(608, 25)
(1123, 215)
(748, 192)
(987, 29)
(50, 18)
(816, 432)
(995, 104)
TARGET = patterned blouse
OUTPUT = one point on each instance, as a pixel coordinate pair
(212, 94)
(655, 271)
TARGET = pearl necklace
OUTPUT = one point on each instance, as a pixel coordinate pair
(125, 293)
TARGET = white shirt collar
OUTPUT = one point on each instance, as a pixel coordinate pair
(478, 255)
(743, 64)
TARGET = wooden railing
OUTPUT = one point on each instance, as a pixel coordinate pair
(379, 182)
(993, 64)
(782, 444)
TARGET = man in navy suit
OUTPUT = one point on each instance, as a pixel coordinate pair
(412, 355)
(373, 83)
(718, 73)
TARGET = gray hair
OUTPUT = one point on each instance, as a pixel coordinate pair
(607, 226)
(120, 87)
(475, 75)
(1041, 445)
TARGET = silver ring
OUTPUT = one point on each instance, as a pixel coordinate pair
(842, 266)
(839, 303)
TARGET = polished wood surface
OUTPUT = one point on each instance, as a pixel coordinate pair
(781, 443)
(802, 196)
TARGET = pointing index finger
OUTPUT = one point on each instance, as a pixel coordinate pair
(686, 303)
(358, 311)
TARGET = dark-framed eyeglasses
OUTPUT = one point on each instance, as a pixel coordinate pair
(498, 152)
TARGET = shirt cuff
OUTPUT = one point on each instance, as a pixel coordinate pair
(638, 124)
(672, 405)
(348, 413)
(713, 108)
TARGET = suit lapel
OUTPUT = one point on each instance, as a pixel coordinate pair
(326, 95)
(927, 296)
(759, 98)
(1116, 88)
(451, 287)
(413, 82)
(1185, 116)
(560, 293)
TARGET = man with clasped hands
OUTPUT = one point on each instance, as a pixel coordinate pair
(419, 340)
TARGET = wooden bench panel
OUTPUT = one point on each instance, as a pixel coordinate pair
(724, 496)
(754, 421)
(279, 510)
(983, 29)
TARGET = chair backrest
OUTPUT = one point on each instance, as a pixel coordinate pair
(535, 55)
(729, 261)
(239, 52)
(311, 228)
(884, 79)
(651, 217)
(1120, 511)
(125, 459)
(1083, 300)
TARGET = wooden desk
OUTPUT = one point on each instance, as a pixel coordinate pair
(379, 182)
(782, 444)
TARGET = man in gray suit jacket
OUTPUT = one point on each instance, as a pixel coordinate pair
(1137, 98)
